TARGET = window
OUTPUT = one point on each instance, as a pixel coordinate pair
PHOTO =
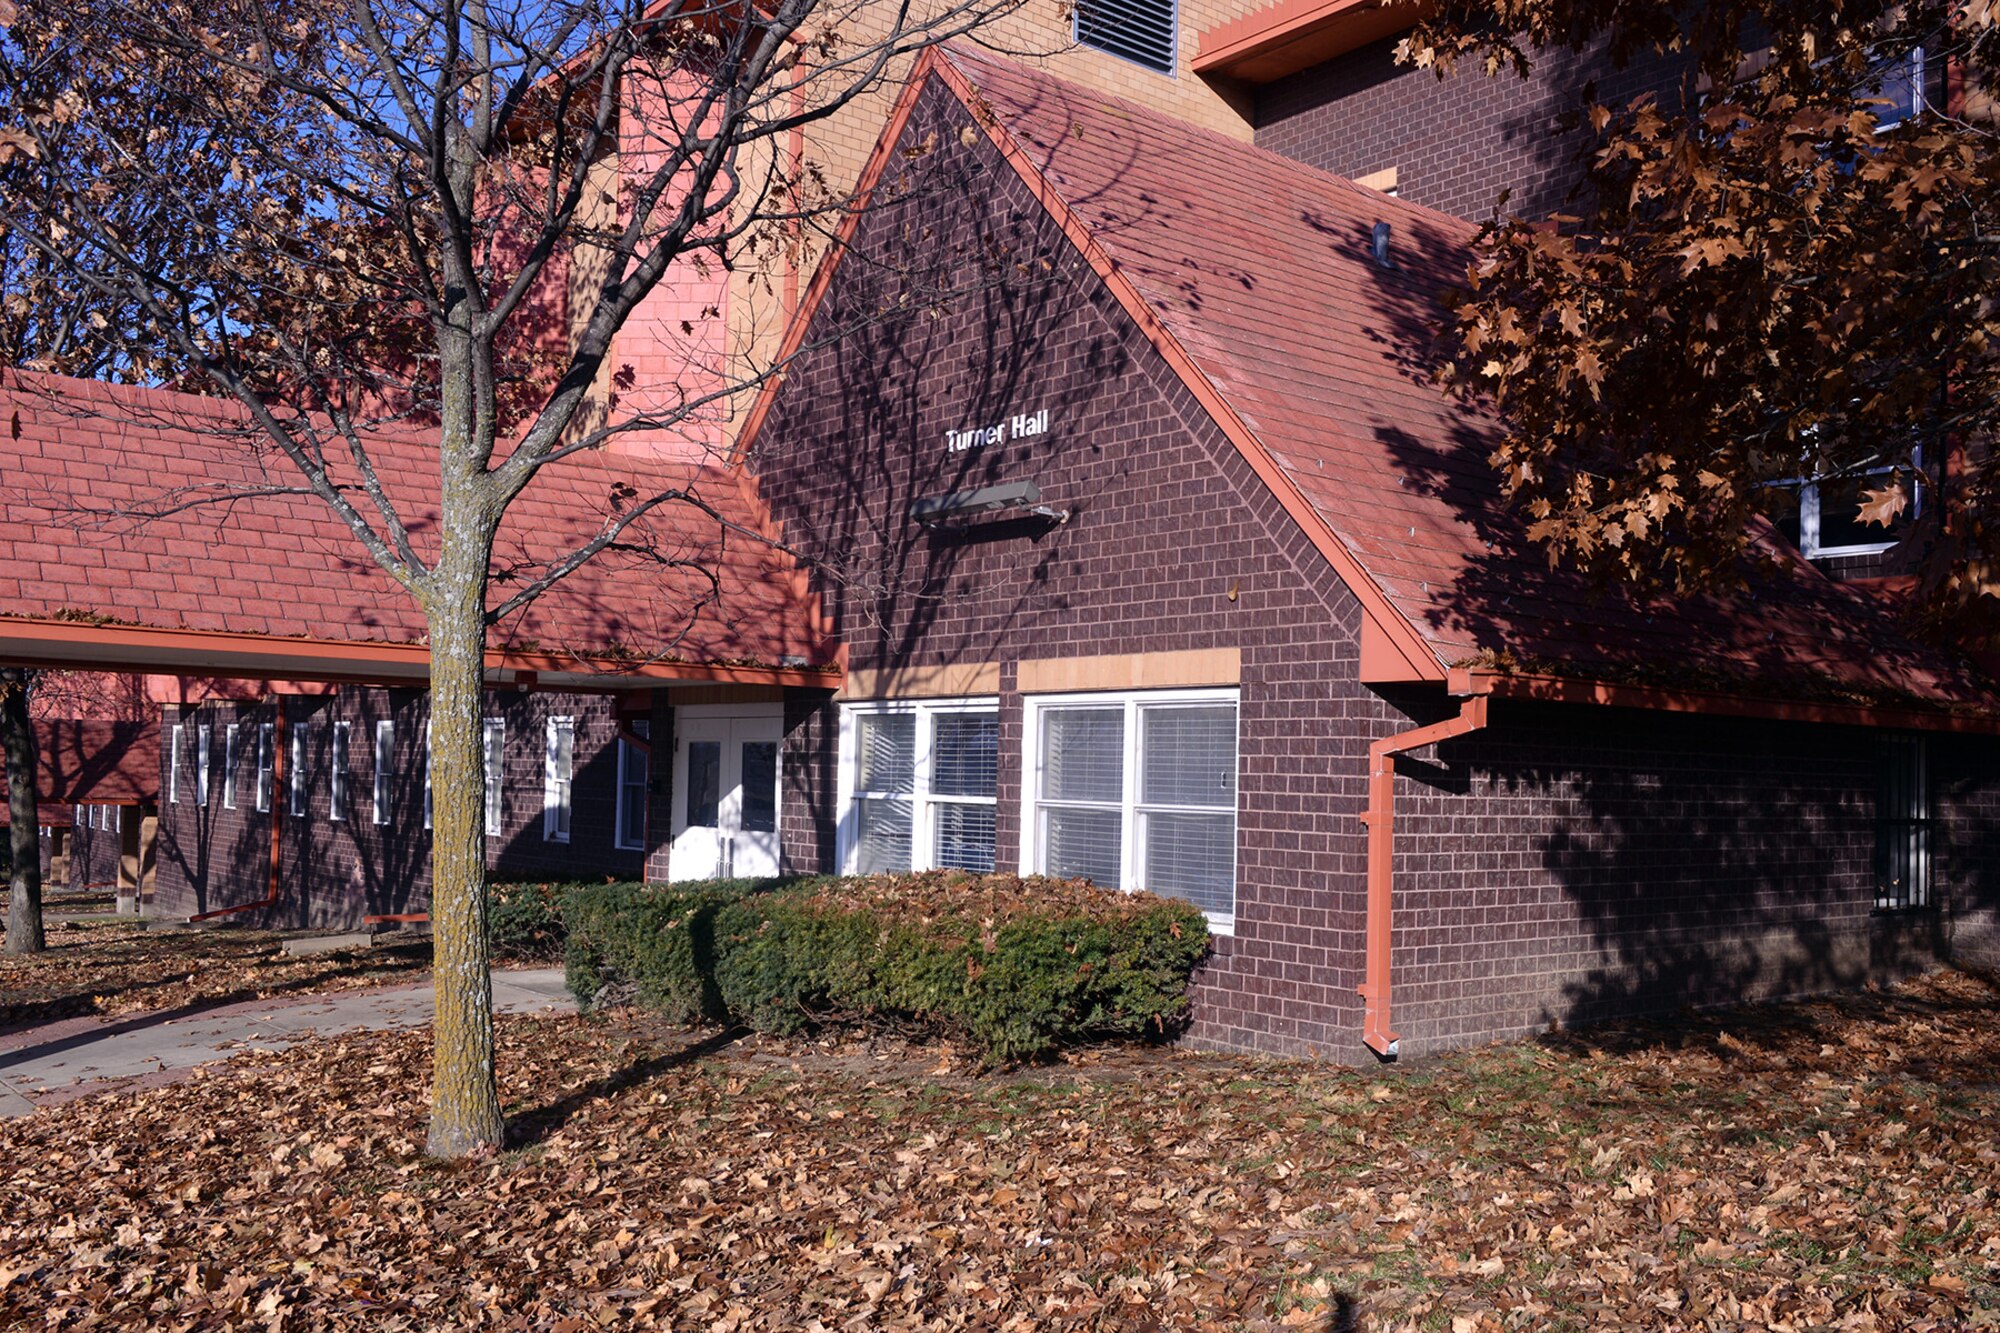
(1823, 517)
(632, 766)
(301, 740)
(496, 774)
(1136, 791)
(203, 739)
(1903, 827)
(173, 767)
(336, 796)
(267, 758)
(229, 767)
(427, 774)
(558, 761)
(385, 768)
(919, 781)
(1901, 86)
(1141, 31)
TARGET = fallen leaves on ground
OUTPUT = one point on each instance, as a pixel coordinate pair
(1828, 1165)
(119, 967)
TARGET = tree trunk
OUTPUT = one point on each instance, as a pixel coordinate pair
(17, 742)
(465, 1099)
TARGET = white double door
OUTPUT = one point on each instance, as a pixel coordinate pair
(725, 800)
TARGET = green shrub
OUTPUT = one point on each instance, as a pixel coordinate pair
(656, 938)
(525, 921)
(1012, 967)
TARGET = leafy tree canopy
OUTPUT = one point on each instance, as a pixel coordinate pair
(1784, 269)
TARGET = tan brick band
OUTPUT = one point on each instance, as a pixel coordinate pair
(1132, 671)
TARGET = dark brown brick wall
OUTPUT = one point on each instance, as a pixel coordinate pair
(335, 873)
(1456, 143)
(93, 857)
(1564, 865)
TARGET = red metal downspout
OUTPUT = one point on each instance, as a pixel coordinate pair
(270, 899)
(1380, 817)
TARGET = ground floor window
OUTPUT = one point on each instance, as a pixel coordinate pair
(495, 759)
(1135, 791)
(918, 780)
(1903, 827)
(558, 766)
(632, 762)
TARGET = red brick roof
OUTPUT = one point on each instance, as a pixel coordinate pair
(80, 461)
(94, 763)
(1259, 269)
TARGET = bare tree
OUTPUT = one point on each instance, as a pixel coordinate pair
(342, 213)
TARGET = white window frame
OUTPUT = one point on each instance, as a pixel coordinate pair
(229, 766)
(623, 838)
(923, 802)
(427, 775)
(301, 784)
(558, 789)
(267, 758)
(174, 744)
(493, 759)
(336, 763)
(1131, 859)
(204, 739)
(382, 807)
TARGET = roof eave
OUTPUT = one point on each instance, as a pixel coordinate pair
(1285, 38)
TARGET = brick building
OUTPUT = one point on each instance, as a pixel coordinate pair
(1138, 548)
(96, 798)
(1152, 551)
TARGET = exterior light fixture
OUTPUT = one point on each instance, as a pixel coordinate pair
(1023, 495)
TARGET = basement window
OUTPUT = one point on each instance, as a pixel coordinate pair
(1903, 827)
(1135, 791)
(1141, 31)
(919, 782)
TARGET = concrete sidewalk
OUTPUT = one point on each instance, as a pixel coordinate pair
(57, 1061)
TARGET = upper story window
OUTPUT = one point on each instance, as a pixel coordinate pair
(1901, 87)
(1825, 517)
(919, 780)
(1141, 31)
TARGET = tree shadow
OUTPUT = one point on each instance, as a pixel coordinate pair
(532, 1126)
(153, 1018)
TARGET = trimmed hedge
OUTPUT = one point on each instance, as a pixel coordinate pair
(1012, 967)
(525, 921)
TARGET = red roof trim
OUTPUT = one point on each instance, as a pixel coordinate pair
(1572, 690)
(1297, 34)
(62, 643)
